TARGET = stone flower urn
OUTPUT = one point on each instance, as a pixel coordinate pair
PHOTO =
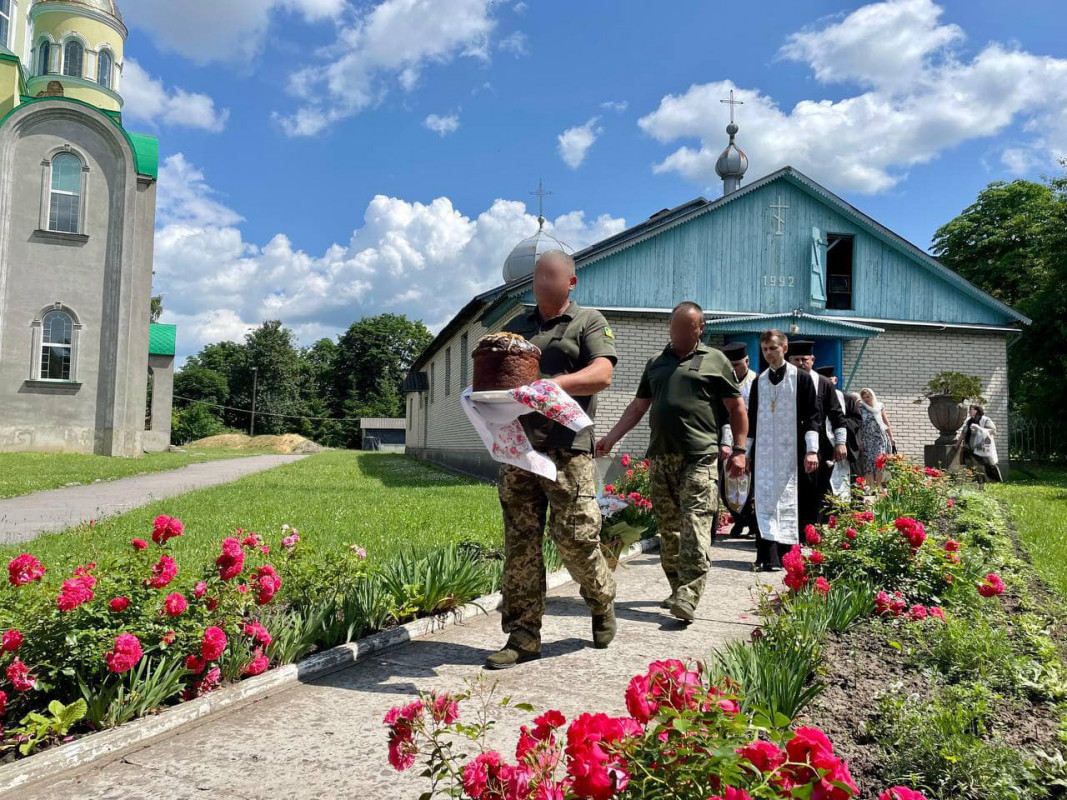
(947, 416)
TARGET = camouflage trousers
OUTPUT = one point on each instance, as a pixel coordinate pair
(685, 499)
(574, 526)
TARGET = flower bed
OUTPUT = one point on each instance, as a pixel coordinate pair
(118, 638)
(923, 575)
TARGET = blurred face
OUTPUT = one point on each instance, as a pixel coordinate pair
(802, 362)
(685, 329)
(740, 367)
(553, 281)
(774, 352)
(866, 397)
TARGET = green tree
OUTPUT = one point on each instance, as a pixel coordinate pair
(373, 356)
(1012, 242)
(156, 310)
(271, 354)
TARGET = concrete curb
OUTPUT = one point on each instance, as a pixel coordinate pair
(94, 747)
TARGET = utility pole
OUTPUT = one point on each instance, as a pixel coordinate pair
(255, 385)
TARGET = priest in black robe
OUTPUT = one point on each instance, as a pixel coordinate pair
(783, 445)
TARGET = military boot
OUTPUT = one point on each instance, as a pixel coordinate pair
(604, 628)
(683, 610)
(511, 655)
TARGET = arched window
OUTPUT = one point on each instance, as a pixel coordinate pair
(57, 336)
(64, 203)
(44, 57)
(5, 23)
(103, 69)
(73, 55)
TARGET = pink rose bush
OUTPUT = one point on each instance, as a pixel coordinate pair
(682, 732)
(141, 607)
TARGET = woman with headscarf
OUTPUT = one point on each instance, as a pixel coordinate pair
(876, 437)
(978, 440)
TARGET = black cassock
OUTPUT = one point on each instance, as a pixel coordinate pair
(807, 411)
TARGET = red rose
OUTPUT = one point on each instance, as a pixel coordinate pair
(18, 674)
(139, 544)
(918, 612)
(880, 462)
(268, 583)
(850, 533)
(255, 630)
(175, 605)
(164, 528)
(445, 709)
(119, 604)
(991, 585)
(764, 756)
(816, 558)
(3, 703)
(596, 771)
(811, 535)
(232, 560)
(23, 569)
(163, 572)
(213, 644)
(75, 592)
(125, 654)
(822, 586)
(625, 460)
(952, 545)
(12, 641)
(195, 664)
(901, 793)
(258, 665)
(200, 590)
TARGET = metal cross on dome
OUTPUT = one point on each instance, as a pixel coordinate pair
(731, 102)
(779, 216)
(541, 194)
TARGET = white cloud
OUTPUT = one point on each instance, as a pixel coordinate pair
(148, 100)
(617, 106)
(920, 99)
(425, 260)
(219, 30)
(515, 43)
(386, 48)
(575, 142)
(442, 125)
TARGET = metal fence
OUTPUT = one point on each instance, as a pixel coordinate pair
(1032, 440)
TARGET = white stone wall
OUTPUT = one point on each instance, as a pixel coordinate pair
(896, 365)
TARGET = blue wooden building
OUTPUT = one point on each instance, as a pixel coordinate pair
(781, 252)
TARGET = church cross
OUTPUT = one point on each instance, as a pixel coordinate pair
(731, 102)
(541, 194)
(779, 217)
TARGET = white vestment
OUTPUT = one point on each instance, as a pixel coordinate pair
(777, 482)
(841, 477)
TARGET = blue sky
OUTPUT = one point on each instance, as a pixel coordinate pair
(327, 159)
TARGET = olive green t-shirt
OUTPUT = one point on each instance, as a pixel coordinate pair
(568, 344)
(686, 393)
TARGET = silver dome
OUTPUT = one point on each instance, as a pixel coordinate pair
(520, 262)
(732, 162)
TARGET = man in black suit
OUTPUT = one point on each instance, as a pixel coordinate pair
(831, 420)
(853, 418)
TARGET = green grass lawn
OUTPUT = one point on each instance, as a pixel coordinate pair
(24, 473)
(384, 502)
(1037, 499)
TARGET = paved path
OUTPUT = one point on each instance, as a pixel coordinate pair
(324, 739)
(24, 518)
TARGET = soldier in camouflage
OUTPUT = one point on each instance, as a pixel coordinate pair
(683, 387)
(578, 353)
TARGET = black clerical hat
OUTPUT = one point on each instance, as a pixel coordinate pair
(828, 372)
(735, 351)
(801, 347)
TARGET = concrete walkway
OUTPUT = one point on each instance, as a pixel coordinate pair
(325, 739)
(25, 518)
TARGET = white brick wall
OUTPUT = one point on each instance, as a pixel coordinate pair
(896, 365)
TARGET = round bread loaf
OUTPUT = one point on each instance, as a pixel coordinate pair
(505, 361)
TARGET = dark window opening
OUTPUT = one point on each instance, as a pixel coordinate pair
(839, 279)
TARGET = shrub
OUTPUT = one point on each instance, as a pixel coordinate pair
(945, 747)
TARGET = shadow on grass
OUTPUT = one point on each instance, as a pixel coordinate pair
(397, 469)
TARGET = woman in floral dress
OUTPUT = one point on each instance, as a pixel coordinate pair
(876, 437)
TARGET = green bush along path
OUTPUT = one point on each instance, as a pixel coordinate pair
(1037, 500)
(386, 503)
(25, 473)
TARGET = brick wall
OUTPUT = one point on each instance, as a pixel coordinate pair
(896, 365)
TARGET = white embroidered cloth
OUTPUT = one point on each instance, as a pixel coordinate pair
(499, 428)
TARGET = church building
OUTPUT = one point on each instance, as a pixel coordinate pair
(77, 220)
(781, 252)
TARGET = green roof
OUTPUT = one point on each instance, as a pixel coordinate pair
(145, 148)
(161, 339)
